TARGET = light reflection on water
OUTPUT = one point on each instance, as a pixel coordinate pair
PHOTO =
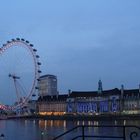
(32, 129)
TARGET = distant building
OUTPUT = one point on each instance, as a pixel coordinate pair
(118, 101)
(113, 101)
(47, 85)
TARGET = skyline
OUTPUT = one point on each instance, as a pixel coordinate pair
(79, 41)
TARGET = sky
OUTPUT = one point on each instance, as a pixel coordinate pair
(79, 41)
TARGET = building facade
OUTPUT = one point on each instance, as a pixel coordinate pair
(94, 102)
(52, 105)
(114, 101)
(131, 101)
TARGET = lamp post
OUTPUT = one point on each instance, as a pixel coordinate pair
(42, 134)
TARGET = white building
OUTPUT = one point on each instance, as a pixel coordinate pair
(47, 85)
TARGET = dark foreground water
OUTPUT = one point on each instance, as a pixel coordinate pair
(31, 129)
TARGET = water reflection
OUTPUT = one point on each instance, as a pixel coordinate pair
(32, 129)
(124, 122)
(2, 124)
(115, 122)
(96, 123)
(52, 123)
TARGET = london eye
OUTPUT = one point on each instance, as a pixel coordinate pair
(19, 73)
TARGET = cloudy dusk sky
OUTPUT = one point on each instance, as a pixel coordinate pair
(79, 41)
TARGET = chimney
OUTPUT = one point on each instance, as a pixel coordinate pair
(100, 88)
(69, 92)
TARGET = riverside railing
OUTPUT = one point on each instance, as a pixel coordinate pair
(128, 132)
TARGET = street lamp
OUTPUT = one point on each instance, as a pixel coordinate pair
(42, 134)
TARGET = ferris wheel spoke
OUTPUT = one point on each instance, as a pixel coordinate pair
(29, 73)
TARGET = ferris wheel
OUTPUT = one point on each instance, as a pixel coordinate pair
(19, 72)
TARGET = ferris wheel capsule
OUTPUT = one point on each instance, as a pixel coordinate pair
(39, 71)
(37, 56)
(13, 39)
(18, 39)
(31, 45)
(38, 79)
(35, 50)
(38, 63)
(34, 95)
(36, 87)
(22, 39)
(27, 41)
(8, 41)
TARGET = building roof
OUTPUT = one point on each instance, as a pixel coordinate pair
(74, 94)
(53, 98)
(94, 93)
(131, 92)
(47, 75)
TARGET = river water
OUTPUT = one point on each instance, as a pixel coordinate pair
(48, 129)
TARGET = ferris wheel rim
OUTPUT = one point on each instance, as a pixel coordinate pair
(26, 44)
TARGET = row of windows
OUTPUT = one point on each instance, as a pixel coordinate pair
(61, 107)
(98, 106)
